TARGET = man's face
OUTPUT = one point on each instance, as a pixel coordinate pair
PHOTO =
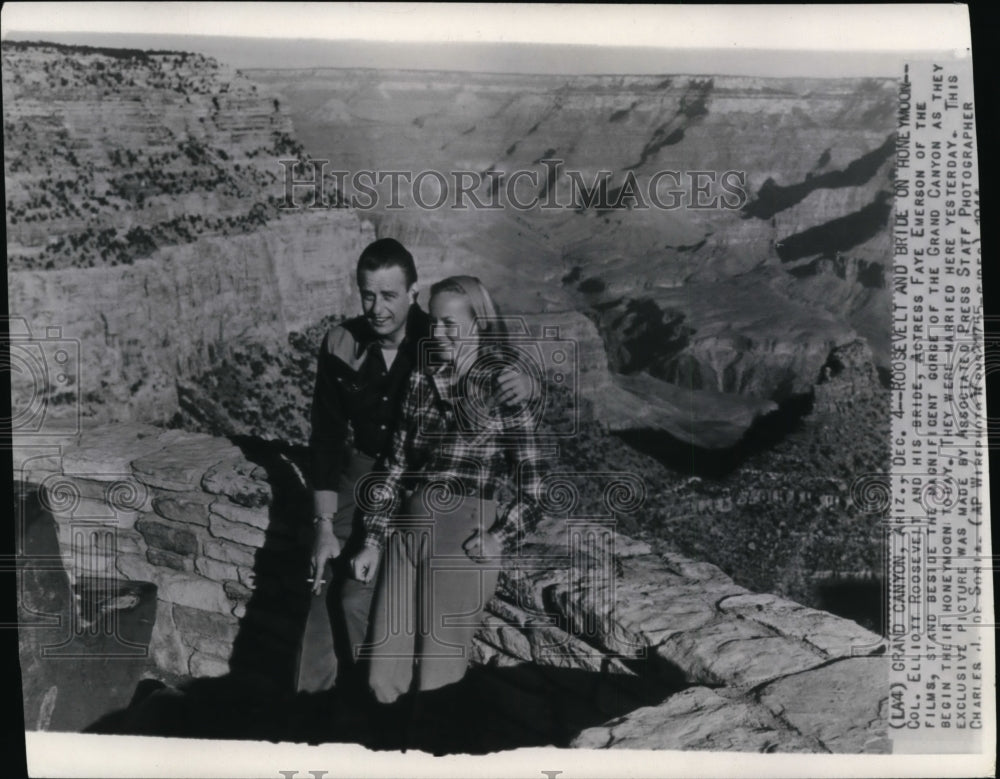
(385, 299)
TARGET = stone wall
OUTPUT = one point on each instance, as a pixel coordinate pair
(184, 511)
(221, 529)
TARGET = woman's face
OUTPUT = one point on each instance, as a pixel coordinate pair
(453, 324)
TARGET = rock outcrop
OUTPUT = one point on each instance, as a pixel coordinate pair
(848, 380)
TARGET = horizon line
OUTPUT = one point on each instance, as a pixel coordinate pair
(245, 53)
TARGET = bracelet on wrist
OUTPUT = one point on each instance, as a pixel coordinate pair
(317, 518)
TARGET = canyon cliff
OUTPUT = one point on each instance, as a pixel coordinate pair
(757, 288)
(724, 355)
(144, 220)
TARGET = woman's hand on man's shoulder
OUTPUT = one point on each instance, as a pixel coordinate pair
(515, 387)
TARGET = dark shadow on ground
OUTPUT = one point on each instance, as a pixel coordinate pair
(492, 709)
(266, 647)
(83, 646)
(865, 600)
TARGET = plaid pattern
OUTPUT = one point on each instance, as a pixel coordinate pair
(431, 443)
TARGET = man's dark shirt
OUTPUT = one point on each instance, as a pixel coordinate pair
(356, 392)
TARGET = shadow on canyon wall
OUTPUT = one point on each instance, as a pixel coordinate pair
(691, 460)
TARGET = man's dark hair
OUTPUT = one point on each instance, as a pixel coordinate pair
(387, 253)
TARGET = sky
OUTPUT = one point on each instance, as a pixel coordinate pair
(545, 38)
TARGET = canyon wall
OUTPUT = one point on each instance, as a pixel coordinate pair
(145, 326)
(815, 157)
(144, 220)
(147, 244)
(144, 229)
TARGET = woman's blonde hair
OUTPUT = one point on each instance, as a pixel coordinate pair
(484, 310)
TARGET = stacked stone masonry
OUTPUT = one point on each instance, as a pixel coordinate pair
(189, 513)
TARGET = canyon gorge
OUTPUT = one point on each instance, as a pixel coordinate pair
(731, 357)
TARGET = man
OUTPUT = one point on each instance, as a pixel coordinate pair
(363, 368)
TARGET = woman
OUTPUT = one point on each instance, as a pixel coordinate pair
(456, 447)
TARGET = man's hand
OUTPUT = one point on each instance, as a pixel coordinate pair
(364, 563)
(325, 547)
(514, 387)
(482, 546)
